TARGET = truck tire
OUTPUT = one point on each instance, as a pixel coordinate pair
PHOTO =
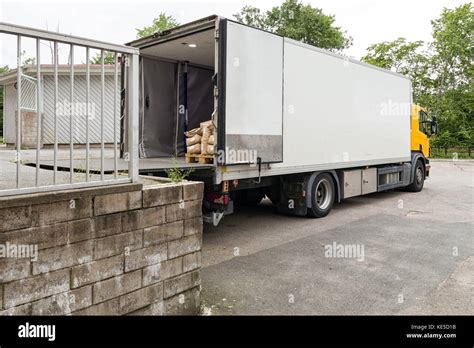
(418, 178)
(322, 196)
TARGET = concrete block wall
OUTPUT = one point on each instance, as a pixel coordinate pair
(28, 130)
(118, 250)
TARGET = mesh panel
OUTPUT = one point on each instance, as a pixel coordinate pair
(28, 93)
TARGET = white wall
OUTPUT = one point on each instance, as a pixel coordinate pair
(63, 120)
(9, 108)
(80, 118)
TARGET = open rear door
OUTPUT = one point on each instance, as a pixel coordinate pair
(251, 117)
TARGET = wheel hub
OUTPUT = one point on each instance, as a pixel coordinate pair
(323, 194)
(419, 176)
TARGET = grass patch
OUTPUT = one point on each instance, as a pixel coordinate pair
(176, 174)
(451, 153)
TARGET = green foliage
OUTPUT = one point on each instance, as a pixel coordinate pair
(452, 89)
(162, 23)
(452, 153)
(441, 71)
(300, 22)
(176, 174)
(453, 43)
(108, 58)
(403, 57)
(30, 61)
(252, 16)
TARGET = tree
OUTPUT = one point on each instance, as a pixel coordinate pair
(453, 35)
(252, 16)
(407, 58)
(453, 89)
(300, 22)
(441, 71)
(29, 60)
(162, 23)
(109, 58)
(3, 69)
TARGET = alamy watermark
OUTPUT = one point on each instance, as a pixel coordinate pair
(244, 156)
(37, 331)
(77, 109)
(347, 251)
(19, 251)
(392, 108)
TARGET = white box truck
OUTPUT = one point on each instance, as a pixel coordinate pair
(296, 123)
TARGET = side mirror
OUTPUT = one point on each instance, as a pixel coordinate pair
(434, 126)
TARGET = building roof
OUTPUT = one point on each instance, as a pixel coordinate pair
(63, 69)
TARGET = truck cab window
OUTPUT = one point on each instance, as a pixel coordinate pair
(424, 123)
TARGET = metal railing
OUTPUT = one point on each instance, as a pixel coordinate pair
(131, 59)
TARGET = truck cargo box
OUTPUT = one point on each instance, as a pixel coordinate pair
(289, 106)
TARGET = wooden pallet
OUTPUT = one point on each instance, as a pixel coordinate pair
(202, 159)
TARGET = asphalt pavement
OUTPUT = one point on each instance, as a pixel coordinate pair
(405, 253)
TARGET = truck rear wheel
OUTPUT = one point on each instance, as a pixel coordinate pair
(418, 178)
(322, 196)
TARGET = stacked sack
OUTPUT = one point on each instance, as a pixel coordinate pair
(201, 140)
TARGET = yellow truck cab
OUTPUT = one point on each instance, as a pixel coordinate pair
(422, 128)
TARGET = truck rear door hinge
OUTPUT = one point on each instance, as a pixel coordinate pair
(216, 34)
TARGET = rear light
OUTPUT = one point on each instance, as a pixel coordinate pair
(217, 198)
(225, 186)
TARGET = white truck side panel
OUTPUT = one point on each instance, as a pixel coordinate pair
(254, 94)
(254, 68)
(337, 111)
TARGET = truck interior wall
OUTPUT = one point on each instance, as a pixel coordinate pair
(161, 128)
(200, 100)
(158, 108)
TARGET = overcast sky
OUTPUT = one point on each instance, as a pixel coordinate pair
(367, 21)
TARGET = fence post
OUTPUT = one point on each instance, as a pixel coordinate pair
(18, 108)
(132, 91)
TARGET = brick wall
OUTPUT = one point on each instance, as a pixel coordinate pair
(119, 250)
